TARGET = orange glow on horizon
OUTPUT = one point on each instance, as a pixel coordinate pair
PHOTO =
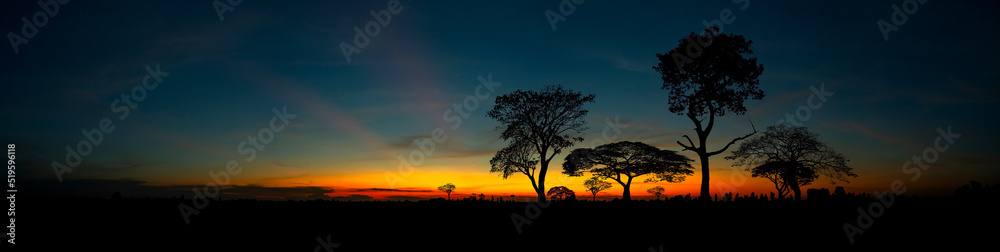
(424, 183)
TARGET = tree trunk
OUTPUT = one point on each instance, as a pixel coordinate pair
(626, 195)
(793, 184)
(704, 174)
(595, 196)
(796, 190)
(449, 196)
(541, 179)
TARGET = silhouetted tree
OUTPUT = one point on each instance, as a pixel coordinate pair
(712, 79)
(839, 191)
(623, 161)
(795, 154)
(537, 123)
(656, 191)
(560, 192)
(780, 171)
(518, 157)
(447, 188)
(975, 189)
(596, 185)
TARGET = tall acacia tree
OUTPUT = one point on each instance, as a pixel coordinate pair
(794, 155)
(541, 123)
(624, 161)
(707, 76)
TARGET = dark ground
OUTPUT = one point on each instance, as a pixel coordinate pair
(249, 225)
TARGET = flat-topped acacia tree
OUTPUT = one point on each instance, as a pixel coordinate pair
(447, 188)
(624, 161)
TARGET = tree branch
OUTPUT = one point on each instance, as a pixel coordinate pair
(697, 123)
(686, 147)
(734, 141)
(711, 118)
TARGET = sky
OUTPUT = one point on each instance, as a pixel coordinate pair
(349, 118)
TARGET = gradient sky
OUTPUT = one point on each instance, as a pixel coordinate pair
(353, 119)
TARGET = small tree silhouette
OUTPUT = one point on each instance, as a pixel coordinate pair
(560, 192)
(447, 188)
(596, 185)
(656, 191)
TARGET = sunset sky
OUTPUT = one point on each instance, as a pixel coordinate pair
(353, 119)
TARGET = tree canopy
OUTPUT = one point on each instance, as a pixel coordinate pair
(713, 79)
(518, 157)
(596, 185)
(656, 191)
(794, 155)
(780, 171)
(560, 192)
(709, 75)
(447, 188)
(624, 161)
(540, 123)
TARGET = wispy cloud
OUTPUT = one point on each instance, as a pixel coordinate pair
(867, 131)
(620, 61)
